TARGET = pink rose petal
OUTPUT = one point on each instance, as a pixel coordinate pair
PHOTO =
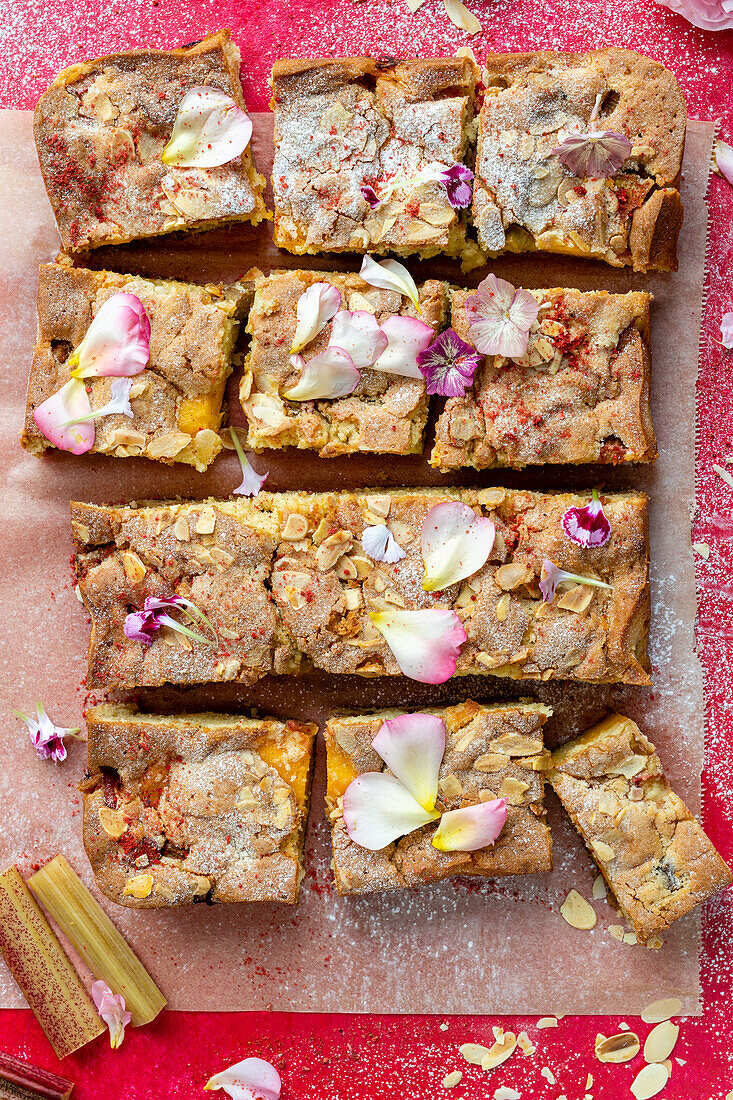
(378, 809)
(471, 827)
(328, 375)
(709, 15)
(425, 644)
(380, 544)
(390, 275)
(406, 337)
(595, 155)
(316, 306)
(210, 130)
(250, 1079)
(55, 414)
(359, 335)
(455, 544)
(412, 747)
(117, 342)
(500, 317)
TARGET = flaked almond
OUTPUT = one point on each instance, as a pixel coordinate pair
(578, 912)
(548, 1074)
(352, 598)
(112, 822)
(511, 575)
(502, 607)
(295, 527)
(331, 549)
(617, 1048)
(547, 1021)
(451, 786)
(607, 803)
(491, 762)
(133, 566)
(516, 745)
(139, 886)
(203, 885)
(604, 851)
(513, 790)
(474, 1053)
(491, 497)
(525, 1044)
(599, 888)
(180, 529)
(616, 932)
(465, 739)
(168, 445)
(228, 669)
(649, 1081)
(345, 569)
(576, 599)
(452, 1079)
(503, 1048)
(206, 521)
(661, 1010)
(660, 1042)
(630, 767)
(321, 532)
(379, 505)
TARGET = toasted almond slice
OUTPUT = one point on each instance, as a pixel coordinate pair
(578, 912)
(295, 528)
(502, 1049)
(112, 822)
(452, 1079)
(502, 607)
(629, 768)
(660, 1042)
(576, 599)
(459, 14)
(548, 1075)
(604, 851)
(525, 1044)
(491, 762)
(617, 1048)
(661, 1010)
(474, 1053)
(133, 566)
(140, 886)
(547, 1021)
(451, 786)
(649, 1081)
(206, 521)
(504, 1092)
(513, 790)
(599, 888)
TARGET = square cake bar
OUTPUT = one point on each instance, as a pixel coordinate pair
(177, 399)
(195, 807)
(100, 131)
(526, 200)
(386, 413)
(491, 752)
(579, 394)
(651, 851)
(286, 586)
(344, 126)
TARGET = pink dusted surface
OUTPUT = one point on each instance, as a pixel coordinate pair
(359, 1057)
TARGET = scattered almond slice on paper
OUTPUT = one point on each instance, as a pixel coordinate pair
(702, 549)
(661, 1010)
(525, 1044)
(452, 1079)
(414, 5)
(474, 1053)
(547, 1021)
(503, 1048)
(577, 912)
(599, 888)
(617, 1048)
(589, 1081)
(548, 1075)
(660, 1042)
(444, 1026)
(465, 20)
(506, 1093)
(723, 474)
(649, 1081)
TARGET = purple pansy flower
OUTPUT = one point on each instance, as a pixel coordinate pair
(141, 626)
(448, 364)
(370, 196)
(587, 526)
(457, 182)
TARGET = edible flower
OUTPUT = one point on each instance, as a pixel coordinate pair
(330, 374)
(316, 306)
(500, 317)
(250, 1079)
(390, 275)
(455, 544)
(726, 330)
(448, 365)
(370, 196)
(587, 526)
(48, 738)
(210, 130)
(709, 15)
(67, 418)
(117, 341)
(407, 338)
(426, 643)
(359, 335)
(380, 544)
(723, 153)
(471, 827)
(457, 182)
(141, 626)
(111, 1007)
(552, 575)
(378, 807)
(251, 482)
(596, 154)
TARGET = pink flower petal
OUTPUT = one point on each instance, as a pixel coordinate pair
(552, 575)
(210, 130)
(500, 317)
(390, 275)
(378, 809)
(54, 415)
(412, 747)
(455, 544)
(316, 306)
(251, 482)
(709, 15)
(380, 544)
(471, 827)
(587, 526)
(117, 342)
(726, 330)
(406, 337)
(425, 644)
(594, 155)
(724, 156)
(111, 1007)
(359, 335)
(118, 404)
(250, 1079)
(330, 374)
(48, 738)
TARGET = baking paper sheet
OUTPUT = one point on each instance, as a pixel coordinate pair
(457, 947)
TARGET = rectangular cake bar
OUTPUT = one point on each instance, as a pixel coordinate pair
(177, 399)
(579, 394)
(195, 807)
(101, 128)
(491, 752)
(358, 142)
(386, 413)
(525, 199)
(286, 585)
(652, 852)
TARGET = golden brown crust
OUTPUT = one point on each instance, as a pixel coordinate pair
(491, 752)
(652, 852)
(523, 197)
(386, 413)
(190, 807)
(177, 399)
(342, 124)
(289, 572)
(100, 130)
(580, 394)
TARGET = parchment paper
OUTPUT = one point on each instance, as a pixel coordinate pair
(457, 947)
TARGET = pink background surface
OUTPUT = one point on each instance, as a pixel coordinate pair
(331, 1057)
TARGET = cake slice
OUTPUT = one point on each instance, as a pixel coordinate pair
(652, 852)
(195, 807)
(491, 752)
(101, 129)
(579, 394)
(386, 413)
(359, 143)
(525, 199)
(177, 399)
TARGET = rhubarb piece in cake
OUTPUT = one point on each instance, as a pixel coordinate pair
(370, 155)
(652, 852)
(581, 154)
(575, 391)
(384, 411)
(167, 345)
(148, 142)
(196, 807)
(490, 754)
